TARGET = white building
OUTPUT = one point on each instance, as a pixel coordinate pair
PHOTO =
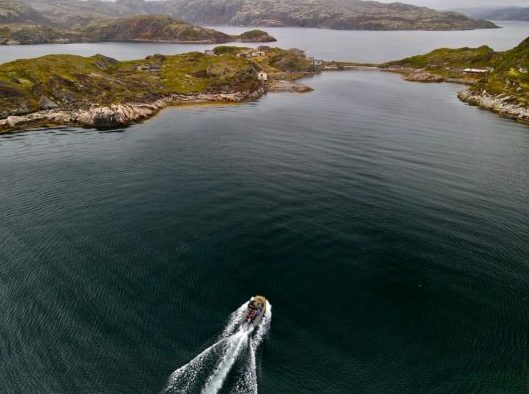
(209, 52)
(262, 76)
(475, 70)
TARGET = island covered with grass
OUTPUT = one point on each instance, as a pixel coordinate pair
(103, 92)
(498, 81)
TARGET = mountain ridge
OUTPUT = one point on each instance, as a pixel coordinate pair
(334, 14)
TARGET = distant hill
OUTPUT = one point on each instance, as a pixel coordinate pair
(499, 14)
(152, 28)
(333, 14)
(70, 12)
(13, 11)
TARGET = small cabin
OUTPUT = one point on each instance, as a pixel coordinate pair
(475, 71)
(317, 62)
(209, 52)
(262, 76)
(258, 54)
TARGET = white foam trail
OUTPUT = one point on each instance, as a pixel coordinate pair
(236, 343)
(207, 372)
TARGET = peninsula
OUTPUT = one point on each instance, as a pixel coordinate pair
(498, 81)
(99, 91)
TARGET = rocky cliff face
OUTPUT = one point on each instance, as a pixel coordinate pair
(13, 11)
(334, 14)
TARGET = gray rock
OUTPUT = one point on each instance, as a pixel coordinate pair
(47, 103)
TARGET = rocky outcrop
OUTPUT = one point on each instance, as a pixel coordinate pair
(288, 86)
(119, 114)
(503, 105)
(255, 36)
(423, 76)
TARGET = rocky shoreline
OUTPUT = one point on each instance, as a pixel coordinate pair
(118, 115)
(502, 105)
(126, 114)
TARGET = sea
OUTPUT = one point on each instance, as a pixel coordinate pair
(386, 222)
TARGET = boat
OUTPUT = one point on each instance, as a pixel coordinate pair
(256, 309)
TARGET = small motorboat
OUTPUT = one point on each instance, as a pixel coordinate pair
(256, 309)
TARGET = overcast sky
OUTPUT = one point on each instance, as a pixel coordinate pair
(441, 4)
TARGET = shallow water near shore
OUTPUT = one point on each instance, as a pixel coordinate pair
(387, 222)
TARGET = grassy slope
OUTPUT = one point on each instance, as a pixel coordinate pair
(508, 76)
(449, 63)
(75, 81)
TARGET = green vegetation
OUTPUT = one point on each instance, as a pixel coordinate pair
(509, 76)
(72, 82)
(256, 36)
(449, 63)
(508, 72)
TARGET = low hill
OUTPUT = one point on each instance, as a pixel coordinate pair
(15, 34)
(445, 64)
(100, 91)
(509, 77)
(151, 28)
(499, 81)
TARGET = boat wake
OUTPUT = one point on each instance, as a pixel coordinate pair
(234, 350)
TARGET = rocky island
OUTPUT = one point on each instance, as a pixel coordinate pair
(99, 91)
(498, 81)
(151, 28)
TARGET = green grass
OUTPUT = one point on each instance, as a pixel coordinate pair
(75, 81)
(449, 63)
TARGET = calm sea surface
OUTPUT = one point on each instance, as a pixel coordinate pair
(387, 223)
(359, 46)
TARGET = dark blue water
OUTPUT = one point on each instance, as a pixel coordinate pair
(387, 223)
